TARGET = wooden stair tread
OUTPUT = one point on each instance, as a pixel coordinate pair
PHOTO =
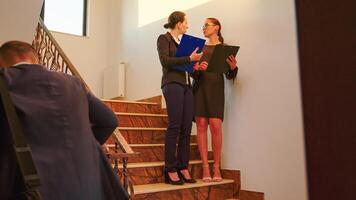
(141, 114)
(141, 129)
(132, 102)
(161, 187)
(157, 164)
(147, 145)
(122, 155)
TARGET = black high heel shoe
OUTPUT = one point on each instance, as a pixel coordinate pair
(182, 177)
(168, 180)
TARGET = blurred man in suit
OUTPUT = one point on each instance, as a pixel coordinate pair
(64, 126)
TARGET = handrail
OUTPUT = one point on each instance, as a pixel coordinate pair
(122, 142)
(51, 54)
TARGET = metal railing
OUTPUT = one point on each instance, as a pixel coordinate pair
(122, 151)
(51, 54)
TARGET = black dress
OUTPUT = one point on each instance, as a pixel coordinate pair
(209, 97)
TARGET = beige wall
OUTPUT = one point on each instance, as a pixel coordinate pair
(263, 133)
(90, 54)
(17, 21)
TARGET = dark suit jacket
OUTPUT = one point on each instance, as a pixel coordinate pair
(64, 125)
(167, 48)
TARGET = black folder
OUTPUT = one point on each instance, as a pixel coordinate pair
(217, 62)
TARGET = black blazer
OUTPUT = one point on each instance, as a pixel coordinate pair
(167, 48)
(64, 125)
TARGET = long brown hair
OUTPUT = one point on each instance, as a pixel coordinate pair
(174, 18)
(217, 22)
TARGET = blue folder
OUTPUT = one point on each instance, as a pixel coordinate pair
(187, 45)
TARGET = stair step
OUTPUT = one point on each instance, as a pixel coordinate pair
(140, 114)
(156, 164)
(137, 135)
(146, 145)
(145, 135)
(133, 106)
(161, 187)
(251, 195)
(152, 172)
(200, 190)
(142, 120)
(141, 129)
(129, 102)
(155, 145)
(155, 152)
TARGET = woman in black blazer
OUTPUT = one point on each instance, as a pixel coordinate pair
(177, 91)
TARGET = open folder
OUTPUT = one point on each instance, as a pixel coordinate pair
(217, 62)
(187, 45)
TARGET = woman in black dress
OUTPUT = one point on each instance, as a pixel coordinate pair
(209, 99)
(177, 91)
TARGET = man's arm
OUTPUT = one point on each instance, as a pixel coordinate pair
(103, 120)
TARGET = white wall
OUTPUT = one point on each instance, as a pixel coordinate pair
(90, 54)
(17, 22)
(263, 133)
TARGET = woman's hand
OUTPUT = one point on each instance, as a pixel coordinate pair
(195, 56)
(203, 66)
(231, 60)
(196, 66)
(200, 66)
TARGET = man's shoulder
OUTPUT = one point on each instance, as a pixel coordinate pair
(29, 72)
(66, 78)
(63, 75)
(60, 76)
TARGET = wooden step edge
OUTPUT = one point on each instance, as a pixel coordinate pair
(114, 156)
(141, 129)
(162, 187)
(131, 102)
(246, 194)
(157, 164)
(147, 145)
(140, 114)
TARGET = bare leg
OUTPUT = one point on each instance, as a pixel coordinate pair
(216, 137)
(202, 129)
(173, 176)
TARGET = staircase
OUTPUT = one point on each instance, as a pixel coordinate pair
(143, 125)
(142, 129)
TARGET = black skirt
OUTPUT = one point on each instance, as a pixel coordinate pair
(209, 95)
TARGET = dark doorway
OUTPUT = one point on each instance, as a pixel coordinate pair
(327, 55)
